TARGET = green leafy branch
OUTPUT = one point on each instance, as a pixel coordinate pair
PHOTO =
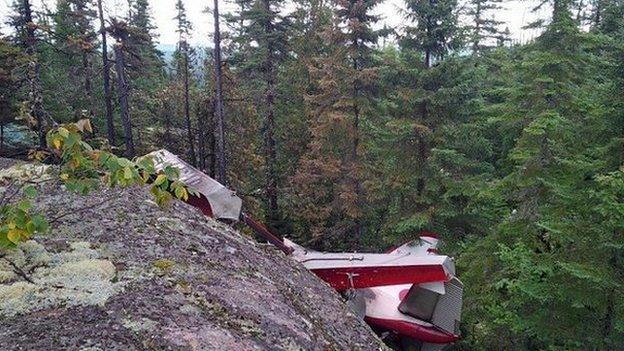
(17, 222)
(82, 170)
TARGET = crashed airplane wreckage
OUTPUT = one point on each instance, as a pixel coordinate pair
(410, 292)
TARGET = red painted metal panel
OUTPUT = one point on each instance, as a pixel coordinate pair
(202, 203)
(345, 278)
(413, 330)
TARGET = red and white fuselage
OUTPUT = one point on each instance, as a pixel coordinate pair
(411, 290)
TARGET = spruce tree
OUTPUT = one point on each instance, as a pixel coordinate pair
(554, 261)
(144, 68)
(26, 35)
(485, 31)
(345, 78)
(106, 79)
(431, 94)
(432, 30)
(77, 39)
(218, 135)
(121, 32)
(264, 25)
(357, 18)
(145, 62)
(183, 67)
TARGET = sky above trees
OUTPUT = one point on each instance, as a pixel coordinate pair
(516, 14)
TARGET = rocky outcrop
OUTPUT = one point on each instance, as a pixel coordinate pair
(116, 272)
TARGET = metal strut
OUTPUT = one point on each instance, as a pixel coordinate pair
(261, 230)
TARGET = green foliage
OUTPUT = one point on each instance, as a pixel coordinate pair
(555, 268)
(18, 222)
(82, 170)
(11, 60)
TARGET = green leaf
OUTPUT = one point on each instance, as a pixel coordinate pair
(63, 132)
(160, 179)
(171, 172)
(40, 223)
(31, 228)
(30, 191)
(128, 173)
(181, 193)
(24, 205)
(14, 236)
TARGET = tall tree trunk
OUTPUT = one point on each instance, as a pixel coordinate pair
(86, 69)
(609, 318)
(206, 137)
(187, 109)
(423, 146)
(429, 30)
(269, 124)
(355, 162)
(219, 130)
(202, 120)
(213, 141)
(108, 99)
(34, 82)
(579, 12)
(122, 92)
(166, 118)
(560, 11)
(597, 13)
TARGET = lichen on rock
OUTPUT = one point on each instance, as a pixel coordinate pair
(67, 278)
(27, 171)
(141, 325)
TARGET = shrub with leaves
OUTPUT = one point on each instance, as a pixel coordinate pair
(18, 223)
(83, 169)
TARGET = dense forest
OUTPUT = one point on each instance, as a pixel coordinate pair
(346, 137)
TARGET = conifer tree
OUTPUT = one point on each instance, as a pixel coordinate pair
(144, 68)
(357, 17)
(120, 31)
(485, 30)
(431, 94)
(266, 27)
(146, 60)
(218, 135)
(271, 35)
(238, 23)
(183, 56)
(27, 37)
(106, 80)
(76, 37)
(345, 80)
(433, 30)
(552, 265)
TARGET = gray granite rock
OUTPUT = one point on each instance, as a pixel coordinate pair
(116, 272)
